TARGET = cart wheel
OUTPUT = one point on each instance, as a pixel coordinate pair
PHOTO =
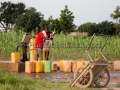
(103, 79)
(86, 80)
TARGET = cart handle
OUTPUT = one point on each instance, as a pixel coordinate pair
(96, 34)
(101, 34)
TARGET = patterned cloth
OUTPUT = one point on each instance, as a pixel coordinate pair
(47, 46)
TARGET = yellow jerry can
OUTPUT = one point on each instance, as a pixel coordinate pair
(61, 65)
(32, 55)
(67, 66)
(15, 57)
(32, 43)
(80, 63)
(29, 67)
(38, 66)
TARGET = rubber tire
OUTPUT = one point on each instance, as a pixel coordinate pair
(108, 75)
(90, 81)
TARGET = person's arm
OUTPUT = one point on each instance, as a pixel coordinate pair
(52, 35)
(43, 39)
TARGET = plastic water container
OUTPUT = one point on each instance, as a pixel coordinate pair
(32, 55)
(43, 66)
(111, 67)
(66, 65)
(74, 66)
(32, 43)
(29, 67)
(15, 57)
(54, 67)
(80, 63)
(48, 66)
(61, 65)
(38, 66)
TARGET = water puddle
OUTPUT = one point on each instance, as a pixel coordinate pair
(61, 77)
(115, 75)
(113, 83)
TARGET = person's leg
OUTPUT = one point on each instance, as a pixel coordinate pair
(47, 56)
(36, 54)
(40, 53)
(47, 48)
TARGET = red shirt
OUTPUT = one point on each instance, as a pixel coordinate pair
(39, 39)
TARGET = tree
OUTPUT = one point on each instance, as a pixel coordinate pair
(56, 25)
(29, 20)
(53, 24)
(46, 23)
(116, 16)
(9, 13)
(43, 24)
(84, 27)
(92, 29)
(66, 20)
(103, 27)
(106, 27)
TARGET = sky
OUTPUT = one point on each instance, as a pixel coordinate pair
(83, 10)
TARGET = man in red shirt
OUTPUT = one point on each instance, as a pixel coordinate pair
(39, 40)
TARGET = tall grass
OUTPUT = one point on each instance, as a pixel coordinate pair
(8, 43)
(64, 46)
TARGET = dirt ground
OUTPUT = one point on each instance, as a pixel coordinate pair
(56, 76)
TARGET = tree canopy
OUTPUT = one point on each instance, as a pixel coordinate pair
(29, 20)
(9, 13)
(104, 27)
(116, 16)
(66, 20)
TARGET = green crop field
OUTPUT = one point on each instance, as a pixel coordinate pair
(64, 46)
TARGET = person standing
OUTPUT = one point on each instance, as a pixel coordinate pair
(39, 40)
(48, 42)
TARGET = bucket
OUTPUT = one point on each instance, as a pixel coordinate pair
(15, 57)
(48, 66)
(29, 67)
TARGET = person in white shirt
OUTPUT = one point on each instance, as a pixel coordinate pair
(47, 46)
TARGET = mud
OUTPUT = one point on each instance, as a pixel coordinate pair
(57, 76)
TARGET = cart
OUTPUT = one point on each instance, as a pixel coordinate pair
(96, 72)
